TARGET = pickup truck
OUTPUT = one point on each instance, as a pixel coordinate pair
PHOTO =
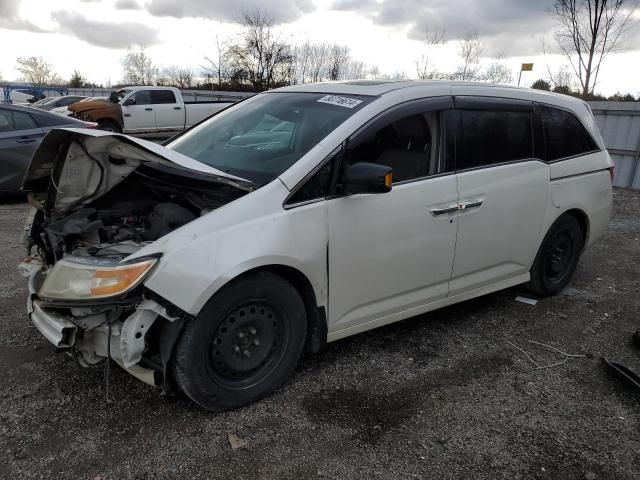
(145, 110)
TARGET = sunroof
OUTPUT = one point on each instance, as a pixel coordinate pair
(364, 83)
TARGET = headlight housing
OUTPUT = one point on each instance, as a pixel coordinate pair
(80, 279)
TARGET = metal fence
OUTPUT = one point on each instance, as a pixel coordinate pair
(619, 123)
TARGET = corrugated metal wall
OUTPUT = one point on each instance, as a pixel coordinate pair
(619, 124)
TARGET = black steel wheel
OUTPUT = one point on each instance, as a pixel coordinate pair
(243, 345)
(248, 343)
(558, 256)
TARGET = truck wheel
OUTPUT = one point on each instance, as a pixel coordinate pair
(558, 256)
(108, 126)
(243, 344)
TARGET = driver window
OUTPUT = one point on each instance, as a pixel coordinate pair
(143, 97)
(405, 144)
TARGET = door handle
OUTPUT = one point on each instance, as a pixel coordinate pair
(148, 109)
(469, 205)
(126, 115)
(26, 140)
(443, 211)
(177, 108)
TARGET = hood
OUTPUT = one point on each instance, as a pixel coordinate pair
(73, 166)
(80, 107)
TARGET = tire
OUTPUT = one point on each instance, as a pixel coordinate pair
(108, 126)
(558, 256)
(244, 343)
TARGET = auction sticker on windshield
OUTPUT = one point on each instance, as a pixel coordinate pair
(340, 101)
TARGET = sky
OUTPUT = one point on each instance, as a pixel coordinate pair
(92, 36)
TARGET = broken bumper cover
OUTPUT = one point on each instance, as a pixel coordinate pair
(127, 339)
(54, 327)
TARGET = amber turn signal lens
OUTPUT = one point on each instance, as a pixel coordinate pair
(388, 180)
(110, 282)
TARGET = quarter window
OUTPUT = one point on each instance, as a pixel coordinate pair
(488, 137)
(406, 145)
(564, 135)
(318, 186)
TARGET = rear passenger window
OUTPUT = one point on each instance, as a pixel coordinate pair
(488, 137)
(406, 145)
(565, 136)
(162, 96)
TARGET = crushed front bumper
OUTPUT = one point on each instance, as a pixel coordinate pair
(127, 338)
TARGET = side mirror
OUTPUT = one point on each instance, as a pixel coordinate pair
(365, 177)
(129, 101)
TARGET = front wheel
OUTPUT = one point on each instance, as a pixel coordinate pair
(244, 343)
(558, 256)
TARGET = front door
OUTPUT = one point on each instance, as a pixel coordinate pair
(138, 114)
(19, 137)
(389, 253)
(503, 190)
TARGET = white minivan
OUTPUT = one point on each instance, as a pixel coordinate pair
(301, 216)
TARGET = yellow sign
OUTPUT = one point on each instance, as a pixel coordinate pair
(527, 67)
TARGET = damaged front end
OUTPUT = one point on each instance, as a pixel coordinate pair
(98, 199)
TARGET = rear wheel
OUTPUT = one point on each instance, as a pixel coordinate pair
(558, 256)
(244, 343)
(108, 126)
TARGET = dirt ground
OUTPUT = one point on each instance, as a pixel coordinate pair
(439, 396)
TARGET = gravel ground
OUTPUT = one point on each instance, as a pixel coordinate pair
(439, 396)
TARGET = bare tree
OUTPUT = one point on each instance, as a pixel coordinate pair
(261, 56)
(498, 71)
(318, 60)
(181, 77)
(470, 50)
(302, 60)
(424, 68)
(337, 62)
(588, 31)
(139, 68)
(218, 65)
(355, 69)
(37, 71)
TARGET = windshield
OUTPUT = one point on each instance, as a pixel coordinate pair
(262, 137)
(44, 100)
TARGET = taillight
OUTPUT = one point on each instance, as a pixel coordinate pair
(611, 172)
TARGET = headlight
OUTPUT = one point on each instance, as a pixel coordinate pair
(79, 279)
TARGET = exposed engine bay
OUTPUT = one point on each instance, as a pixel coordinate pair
(110, 202)
(147, 205)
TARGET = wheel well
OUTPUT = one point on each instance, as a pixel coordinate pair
(583, 220)
(316, 315)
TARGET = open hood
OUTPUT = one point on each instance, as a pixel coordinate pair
(80, 107)
(73, 166)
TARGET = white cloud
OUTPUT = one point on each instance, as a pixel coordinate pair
(105, 34)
